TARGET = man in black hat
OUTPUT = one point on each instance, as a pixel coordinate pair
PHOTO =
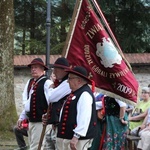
(62, 88)
(56, 97)
(35, 102)
(77, 125)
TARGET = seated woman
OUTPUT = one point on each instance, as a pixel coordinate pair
(143, 105)
(129, 109)
(138, 117)
(143, 131)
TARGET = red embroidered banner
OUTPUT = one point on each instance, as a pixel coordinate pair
(90, 46)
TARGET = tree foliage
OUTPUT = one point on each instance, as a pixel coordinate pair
(129, 21)
(30, 27)
(61, 17)
(30, 16)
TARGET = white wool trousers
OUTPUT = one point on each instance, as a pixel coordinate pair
(64, 144)
(34, 134)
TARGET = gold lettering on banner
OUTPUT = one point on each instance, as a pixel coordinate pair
(99, 71)
(87, 54)
(94, 30)
(119, 74)
(125, 89)
(86, 19)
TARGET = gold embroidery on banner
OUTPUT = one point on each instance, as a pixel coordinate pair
(94, 30)
(87, 54)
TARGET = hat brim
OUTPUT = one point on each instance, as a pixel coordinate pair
(78, 74)
(45, 67)
(58, 66)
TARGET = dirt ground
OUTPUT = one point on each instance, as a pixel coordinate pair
(7, 139)
(9, 143)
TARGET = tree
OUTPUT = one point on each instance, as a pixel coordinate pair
(30, 18)
(30, 29)
(7, 104)
(60, 23)
(128, 19)
(130, 23)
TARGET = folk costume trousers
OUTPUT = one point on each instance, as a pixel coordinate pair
(34, 134)
(50, 143)
(64, 144)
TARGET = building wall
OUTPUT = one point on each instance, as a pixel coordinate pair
(21, 76)
(142, 74)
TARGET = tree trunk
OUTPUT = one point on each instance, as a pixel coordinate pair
(7, 103)
(24, 29)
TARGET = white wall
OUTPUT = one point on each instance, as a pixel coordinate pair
(21, 76)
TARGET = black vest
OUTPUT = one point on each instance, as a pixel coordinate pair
(68, 119)
(112, 108)
(38, 103)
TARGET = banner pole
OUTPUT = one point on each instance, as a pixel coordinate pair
(106, 23)
(44, 128)
(72, 27)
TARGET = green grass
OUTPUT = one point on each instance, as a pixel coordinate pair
(7, 135)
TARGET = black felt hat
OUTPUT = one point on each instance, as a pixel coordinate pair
(38, 61)
(79, 71)
(60, 63)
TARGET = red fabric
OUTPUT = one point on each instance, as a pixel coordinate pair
(93, 86)
(112, 77)
(103, 106)
(102, 138)
(56, 83)
(104, 129)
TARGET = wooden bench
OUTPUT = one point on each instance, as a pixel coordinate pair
(131, 139)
